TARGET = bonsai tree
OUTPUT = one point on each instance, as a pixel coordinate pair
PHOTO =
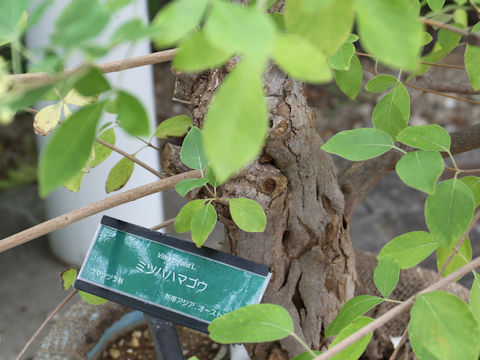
(257, 162)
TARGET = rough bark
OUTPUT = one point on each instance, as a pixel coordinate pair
(306, 242)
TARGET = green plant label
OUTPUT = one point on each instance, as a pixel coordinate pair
(167, 277)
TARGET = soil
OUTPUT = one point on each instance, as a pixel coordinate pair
(137, 344)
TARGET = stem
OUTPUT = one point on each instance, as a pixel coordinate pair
(400, 344)
(148, 143)
(393, 301)
(163, 224)
(453, 162)
(16, 59)
(299, 339)
(399, 149)
(94, 208)
(358, 53)
(475, 7)
(46, 321)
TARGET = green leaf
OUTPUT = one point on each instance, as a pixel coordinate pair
(475, 297)
(354, 351)
(420, 169)
(472, 61)
(352, 309)
(186, 185)
(442, 324)
(91, 82)
(132, 30)
(449, 211)
(252, 323)
(426, 137)
(392, 112)
(75, 182)
(386, 275)
(390, 30)
(11, 12)
(326, 24)
(212, 179)
(409, 249)
(174, 126)
(92, 299)
(203, 222)
(359, 144)
(248, 214)
(473, 183)
(448, 40)
(380, 83)
(46, 120)
(68, 276)
(350, 81)
(132, 116)
(463, 257)
(460, 16)
(197, 53)
(192, 153)
(435, 5)
(300, 59)
(176, 19)
(236, 123)
(101, 151)
(26, 96)
(119, 175)
(183, 221)
(341, 59)
(427, 38)
(68, 149)
(74, 98)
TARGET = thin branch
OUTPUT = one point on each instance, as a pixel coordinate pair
(94, 208)
(475, 7)
(398, 310)
(47, 320)
(400, 344)
(163, 224)
(113, 66)
(421, 62)
(447, 87)
(472, 39)
(462, 170)
(148, 143)
(132, 158)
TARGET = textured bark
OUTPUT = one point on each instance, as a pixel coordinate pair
(306, 241)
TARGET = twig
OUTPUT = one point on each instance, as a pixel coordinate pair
(94, 208)
(46, 321)
(148, 143)
(400, 344)
(421, 62)
(470, 38)
(185, 102)
(462, 170)
(132, 158)
(163, 224)
(113, 66)
(397, 310)
(475, 7)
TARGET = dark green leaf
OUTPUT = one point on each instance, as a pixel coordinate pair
(68, 276)
(443, 325)
(341, 59)
(248, 214)
(186, 185)
(449, 211)
(475, 297)
(463, 257)
(91, 82)
(183, 221)
(132, 116)
(352, 309)
(410, 249)
(350, 81)
(212, 179)
(386, 275)
(203, 222)
(353, 351)
(192, 153)
(426, 137)
(473, 183)
(435, 5)
(119, 175)
(359, 144)
(252, 323)
(380, 83)
(101, 151)
(92, 299)
(174, 126)
(68, 150)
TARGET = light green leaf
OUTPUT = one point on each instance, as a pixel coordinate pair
(460, 16)
(183, 221)
(427, 38)
(448, 40)
(350, 81)
(47, 119)
(386, 275)
(74, 98)
(442, 324)
(252, 323)
(359, 144)
(26, 96)
(420, 169)
(326, 24)
(68, 276)
(132, 30)
(380, 83)
(203, 222)
(75, 182)
(306, 355)
(463, 257)
(132, 116)
(197, 53)
(341, 59)
(426, 137)
(352, 309)
(449, 211)
(174, 126)
(392, 112)
(475, 297)
(354, 351)
(119, 175)
(435, 5)
(300, 59)
(11, 13)
(410, 249)
(212, 179)
(236, 123)
(248, 214)
(390, 30)
(92, 299)
(192, 153)
(101, 151)
(472, 61)
(473, 183)
(68, 149)
(186, 185)
(91, 82)
(176, 19)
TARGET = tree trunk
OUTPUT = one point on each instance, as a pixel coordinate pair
(306, 242)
